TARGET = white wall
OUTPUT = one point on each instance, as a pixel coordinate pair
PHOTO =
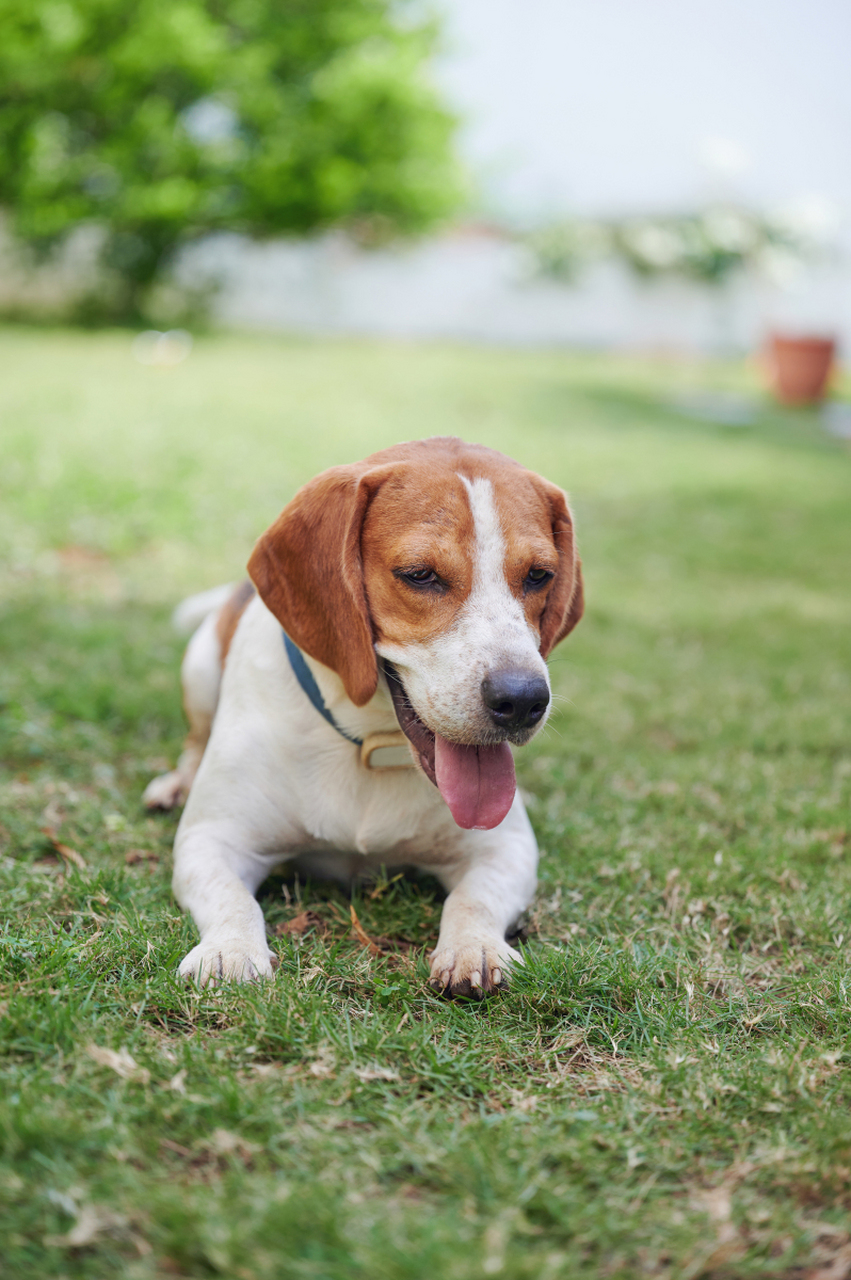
(482, 289)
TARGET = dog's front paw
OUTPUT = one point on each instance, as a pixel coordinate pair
(474, 967)
(227, 960)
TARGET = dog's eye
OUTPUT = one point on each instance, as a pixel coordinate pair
(420, 577)
(537, 578)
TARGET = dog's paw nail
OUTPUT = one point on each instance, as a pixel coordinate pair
(476, 979)
(497, 977)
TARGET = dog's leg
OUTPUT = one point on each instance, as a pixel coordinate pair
(489, 889)
(216, 881)
(201, 675)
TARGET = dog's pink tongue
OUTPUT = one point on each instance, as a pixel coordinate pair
(477, 783)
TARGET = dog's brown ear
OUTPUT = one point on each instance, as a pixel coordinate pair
(307, 569)
(565, 601)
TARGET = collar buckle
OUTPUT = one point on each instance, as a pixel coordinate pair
(386, 752)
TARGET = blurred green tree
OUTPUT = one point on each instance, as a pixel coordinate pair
(159, 120)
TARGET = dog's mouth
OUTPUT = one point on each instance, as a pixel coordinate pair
(477, 782)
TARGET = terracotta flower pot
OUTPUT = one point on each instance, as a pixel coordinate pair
(799, 367)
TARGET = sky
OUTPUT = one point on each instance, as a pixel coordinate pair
(616, 106)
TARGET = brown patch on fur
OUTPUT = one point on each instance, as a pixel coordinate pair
(230, 614)
(538, 530)
(421, 518)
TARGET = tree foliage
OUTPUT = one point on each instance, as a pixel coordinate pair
(161, 121)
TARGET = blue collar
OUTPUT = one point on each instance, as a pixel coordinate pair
(307, 680)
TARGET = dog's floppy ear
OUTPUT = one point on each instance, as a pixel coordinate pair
(565, 601)
(307, 569)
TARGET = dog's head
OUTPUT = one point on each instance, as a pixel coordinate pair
(457, 568)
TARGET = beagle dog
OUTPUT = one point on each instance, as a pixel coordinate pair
(407, 601)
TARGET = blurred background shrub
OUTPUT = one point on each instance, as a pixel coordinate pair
(707, 246)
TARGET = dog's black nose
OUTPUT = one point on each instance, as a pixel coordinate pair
(516, 699)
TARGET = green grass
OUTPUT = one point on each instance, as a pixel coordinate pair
(664, 1091)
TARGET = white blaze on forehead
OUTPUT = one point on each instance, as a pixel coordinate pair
(489, 554)
(492, 613)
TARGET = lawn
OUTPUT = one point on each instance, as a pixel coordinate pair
(664, 1090)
